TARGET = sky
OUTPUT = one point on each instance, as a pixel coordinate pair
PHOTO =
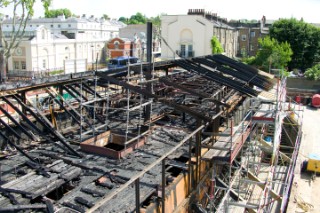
(230, 9)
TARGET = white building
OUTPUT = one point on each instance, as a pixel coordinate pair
(53, 44)
(190, 35)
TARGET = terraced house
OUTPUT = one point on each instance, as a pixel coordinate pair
(189, 35)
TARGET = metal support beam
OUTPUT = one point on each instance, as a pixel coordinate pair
(137, 188)
(163, 186)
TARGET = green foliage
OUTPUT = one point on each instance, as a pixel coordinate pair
(155, 20)
(216, 46)
(249, 60)
(313, 73)
(303, 38)
(23, 11)
(58, 12)
(138, 18)
(273, 54)
(105, 16)
(123, 19)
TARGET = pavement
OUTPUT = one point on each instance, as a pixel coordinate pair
(304, 189)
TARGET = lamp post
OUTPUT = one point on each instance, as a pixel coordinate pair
(92, 46)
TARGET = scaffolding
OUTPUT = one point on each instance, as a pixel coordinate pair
(256, 175)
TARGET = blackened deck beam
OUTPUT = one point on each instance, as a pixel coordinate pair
(25, 118)
(212, 76)
(49, 126)
(60, 103)
(88, 89)
(157, 98)
(71, 93)
(192, 92)
(32, 137)
(76, 92)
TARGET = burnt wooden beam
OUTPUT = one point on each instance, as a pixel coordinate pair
(156, 97)
(76, 92)
(45, 123)
(17, 208)
(25, 118)
(88, 89)
(10, 129)
(71, 93)
(49, 126)
(32, 137)
(60, 103)
(41, 170)
(191, 91)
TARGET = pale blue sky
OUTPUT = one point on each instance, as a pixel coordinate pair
(230, 9)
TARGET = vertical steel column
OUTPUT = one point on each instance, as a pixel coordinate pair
(148, 73)
(198, 152)
(137, 186)
(23, 95)
(61, 94)
(163, 188)
(189, 167)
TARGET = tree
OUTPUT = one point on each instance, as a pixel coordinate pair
(106, 17)
(273, 54)
(123, 19)
(8, 45)
(313, 73)
(216, 46)
(138, 18)
(58, 12)
(303, 38)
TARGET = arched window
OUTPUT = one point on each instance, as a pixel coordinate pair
(43, 34)
(116, 45)
(186, 43)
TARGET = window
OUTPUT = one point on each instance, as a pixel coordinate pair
(251, 47)
(44, 63)
(190, 50)
(16, 65)
(116, 45)
(243, 51)
(51, 25)
(69, 25)
(252, 34)
(43, 34)
(23, 65)
(59, 25)
(30, 25)
(186, 50)
(243, 37)
(183, 50)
